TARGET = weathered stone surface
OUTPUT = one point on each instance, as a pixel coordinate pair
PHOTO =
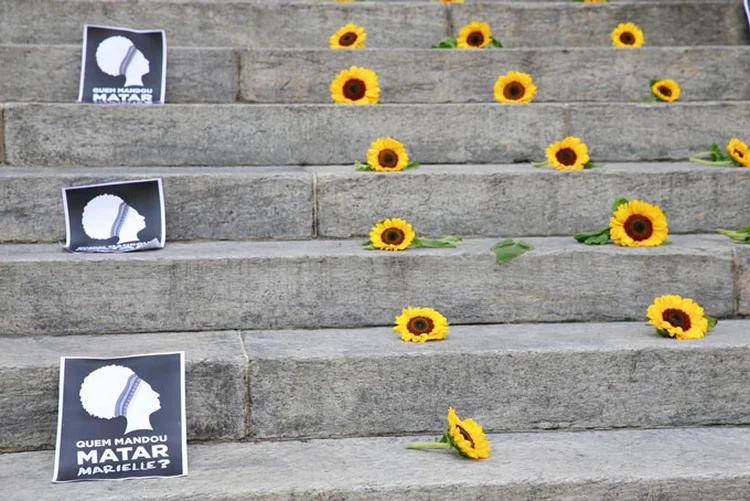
(627, 132)
(680, 464)
(459, 76)
(491, 200)
(216, 203)
(509, 377)
(29, 371)
(743, 256)
(43, 73)
(273, 135)
(257, 285)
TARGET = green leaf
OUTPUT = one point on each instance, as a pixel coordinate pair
(652, 82)
(592, 165)
(740, 237)
(444, 242)
(618, 202)
(711, 322)
(717, 154)
(495, 44)
(412, 165)
(447, 43)
(362, 167)
(508, 249)
(595, 237)
(662, 333)
(653, 99)
(539, 164)
(667, 242)
(368, 246)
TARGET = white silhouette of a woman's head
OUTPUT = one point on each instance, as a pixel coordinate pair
(113, 391)
(107, 216)
(117, 56)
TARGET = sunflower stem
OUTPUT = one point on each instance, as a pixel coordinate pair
(428, 445)
(713, 163)
(539, 164)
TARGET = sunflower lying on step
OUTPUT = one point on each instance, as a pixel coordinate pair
(475, 35)
(349, 36)
(465, 436)
(634, 223)
(680, 318)
(395, 234)
(667, 91)
(515, 87)
(386, 155)
(627, 35)
(355, 86)
(569, 154)
(418, 325)
(737, 154)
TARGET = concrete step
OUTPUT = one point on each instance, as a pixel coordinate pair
(406, 75)
(676, 464)
(414, 25)
(218, 203)
(211, 134)
(337, 383)
(239, 203)
(257, 285)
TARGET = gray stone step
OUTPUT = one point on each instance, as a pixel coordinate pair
(406, 75)
(238, 203)
(216, 390)
(675, 464)
(217, 203)
(336, 383)
(414, 25)
(230, 285)
(211, 134)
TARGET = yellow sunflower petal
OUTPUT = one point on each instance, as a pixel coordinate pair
(627, 35)
(355, 86)
(739, 152)
(568, 154)
(515, 87)
(418, 325)
(349, 36)
(468, 437)
(666, 90)
(474, 35)
(387, 155)
(452, 1)
(392, 234)
(681, 318)
(638, 224)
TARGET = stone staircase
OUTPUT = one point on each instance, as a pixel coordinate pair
(297, 388)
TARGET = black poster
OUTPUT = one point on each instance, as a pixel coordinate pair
(121, 418)
(115, 217)
(121, 66)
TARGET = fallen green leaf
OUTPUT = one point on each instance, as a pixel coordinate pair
(595, 237)
(662, 333)
(444, 242)
(741, 237)
(447, 43)
(495, 44)
(711, 322)
(412, 165)
(362, 167)
(508, 249)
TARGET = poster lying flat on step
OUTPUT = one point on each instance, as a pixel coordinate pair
(121, 418)
(115, 217)
(122, 66)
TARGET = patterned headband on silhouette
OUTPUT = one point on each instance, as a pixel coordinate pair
(128, 56)
(123, 401)
(122, 213)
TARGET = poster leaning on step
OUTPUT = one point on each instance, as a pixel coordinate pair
(121, 418)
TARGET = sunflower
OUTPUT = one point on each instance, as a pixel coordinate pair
(594, 1)
(452, 1)
(739, 152)
(474, 36)
(515, 87)
(638, 224)
(678, 317)
(392, 234)
(349, 36)
(387, 155)
(467, 437)
(355, 86)
(666, 90)
(568, 154)
(627, 35)
(421, 324)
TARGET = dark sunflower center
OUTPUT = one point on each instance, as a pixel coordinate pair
(354, 89)
(638, 227)
(475, 39)
(388, 159)
(566, 156)
(465, 434)
(420, 325)
(627, 38)
(739, 153)
(677, 318)
(392, 236)
(514, 90)
(665, 91)
(347, 39)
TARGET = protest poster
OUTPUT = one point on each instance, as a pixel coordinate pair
(115, 217)
(121, 418)
(122, 66)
